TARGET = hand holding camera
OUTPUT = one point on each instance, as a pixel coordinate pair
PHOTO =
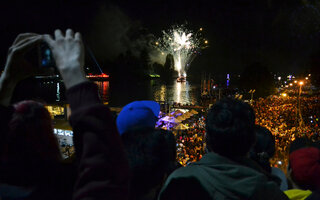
(17, 67)
(68, 52)
(29, 48)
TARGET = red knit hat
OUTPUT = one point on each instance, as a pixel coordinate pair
(305, 164)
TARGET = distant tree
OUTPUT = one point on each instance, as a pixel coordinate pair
(169, 64)
(168, 67)
(145, 62)
(257, 76)
(158, 68)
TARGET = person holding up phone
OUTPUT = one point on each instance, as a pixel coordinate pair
(102, 168)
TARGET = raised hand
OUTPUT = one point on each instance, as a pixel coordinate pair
(17, 67)
(68, 52)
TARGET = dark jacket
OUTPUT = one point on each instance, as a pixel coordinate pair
(103, 170)
(217, 177)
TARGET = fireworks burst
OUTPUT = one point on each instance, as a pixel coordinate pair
(183, 45)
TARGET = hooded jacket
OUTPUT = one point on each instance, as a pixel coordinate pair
(217, 177)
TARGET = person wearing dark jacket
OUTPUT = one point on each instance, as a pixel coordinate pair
(224, 172)
(151, 152)
(263, 150)
(102, 168)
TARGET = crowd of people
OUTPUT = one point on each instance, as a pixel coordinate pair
(190, 142)
(277, 113)
(281, 116)
(128, 158)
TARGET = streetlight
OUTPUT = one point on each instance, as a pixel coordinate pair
(299, 102)
(251, 92)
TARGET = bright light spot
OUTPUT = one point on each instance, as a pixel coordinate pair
(307, 78)
(279, 78)
(301, 83)
(309, 75)
(206, 42)
(284, 94)
(290, 84)
(295, 81)
(182, 44)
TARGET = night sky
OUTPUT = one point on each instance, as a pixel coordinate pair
(281, 34)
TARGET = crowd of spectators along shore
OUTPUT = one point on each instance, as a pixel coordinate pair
(128, 158)
(190, 143)
(277, 113)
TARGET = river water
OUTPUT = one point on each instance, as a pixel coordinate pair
(124, 93)
(117, 94)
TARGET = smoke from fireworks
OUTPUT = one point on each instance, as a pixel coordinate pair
(183, 45)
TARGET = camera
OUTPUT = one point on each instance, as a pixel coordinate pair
(46, 58)
(42, 59)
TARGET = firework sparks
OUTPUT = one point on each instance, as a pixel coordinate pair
(183, 45)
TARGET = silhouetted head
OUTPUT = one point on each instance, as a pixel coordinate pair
(151, 154)
(31, 137)
(264, 148)
(304, 164)
(138, 115)
(230, 128)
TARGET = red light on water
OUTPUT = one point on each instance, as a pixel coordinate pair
(104, 75)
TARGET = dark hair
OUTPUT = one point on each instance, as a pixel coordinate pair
(151, 155)
(298, 143)
(230, 128)
(264, 148)
(31, 137)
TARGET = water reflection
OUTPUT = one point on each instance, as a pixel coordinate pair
(161, 93)
(58, 92)
(121, 93)
(115, 93)
(103, 90)
(184, 92)
(177, 94)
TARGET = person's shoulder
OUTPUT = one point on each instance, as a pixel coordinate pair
(187, 171)
(184, 183)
